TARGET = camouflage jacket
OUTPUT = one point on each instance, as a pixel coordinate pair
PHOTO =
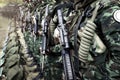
(105, 65)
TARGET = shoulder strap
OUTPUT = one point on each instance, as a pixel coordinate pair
(76, 60)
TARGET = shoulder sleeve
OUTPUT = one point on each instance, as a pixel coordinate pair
(110, 27)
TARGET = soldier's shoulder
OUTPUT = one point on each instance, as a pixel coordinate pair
(108, 8)
(106, 3)
(108, 16)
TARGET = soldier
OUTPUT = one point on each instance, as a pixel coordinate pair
(54, 66)
(99, 39)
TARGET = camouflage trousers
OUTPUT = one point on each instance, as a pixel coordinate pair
(53, 68)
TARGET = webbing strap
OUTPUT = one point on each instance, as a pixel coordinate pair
(76, 61)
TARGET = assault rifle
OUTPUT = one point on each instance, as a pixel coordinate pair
(34, 29)
(68, 66)
(44, 34)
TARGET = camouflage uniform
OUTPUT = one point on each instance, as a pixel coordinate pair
(54, 65)
(50, 72)
(104, 65)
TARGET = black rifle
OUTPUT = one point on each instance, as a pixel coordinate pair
(68, 67)
(36, 26)
(44, 35)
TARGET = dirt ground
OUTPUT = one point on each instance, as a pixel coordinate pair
(8, 11)
(4, 23)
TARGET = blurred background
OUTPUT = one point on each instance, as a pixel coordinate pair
(8, 9)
